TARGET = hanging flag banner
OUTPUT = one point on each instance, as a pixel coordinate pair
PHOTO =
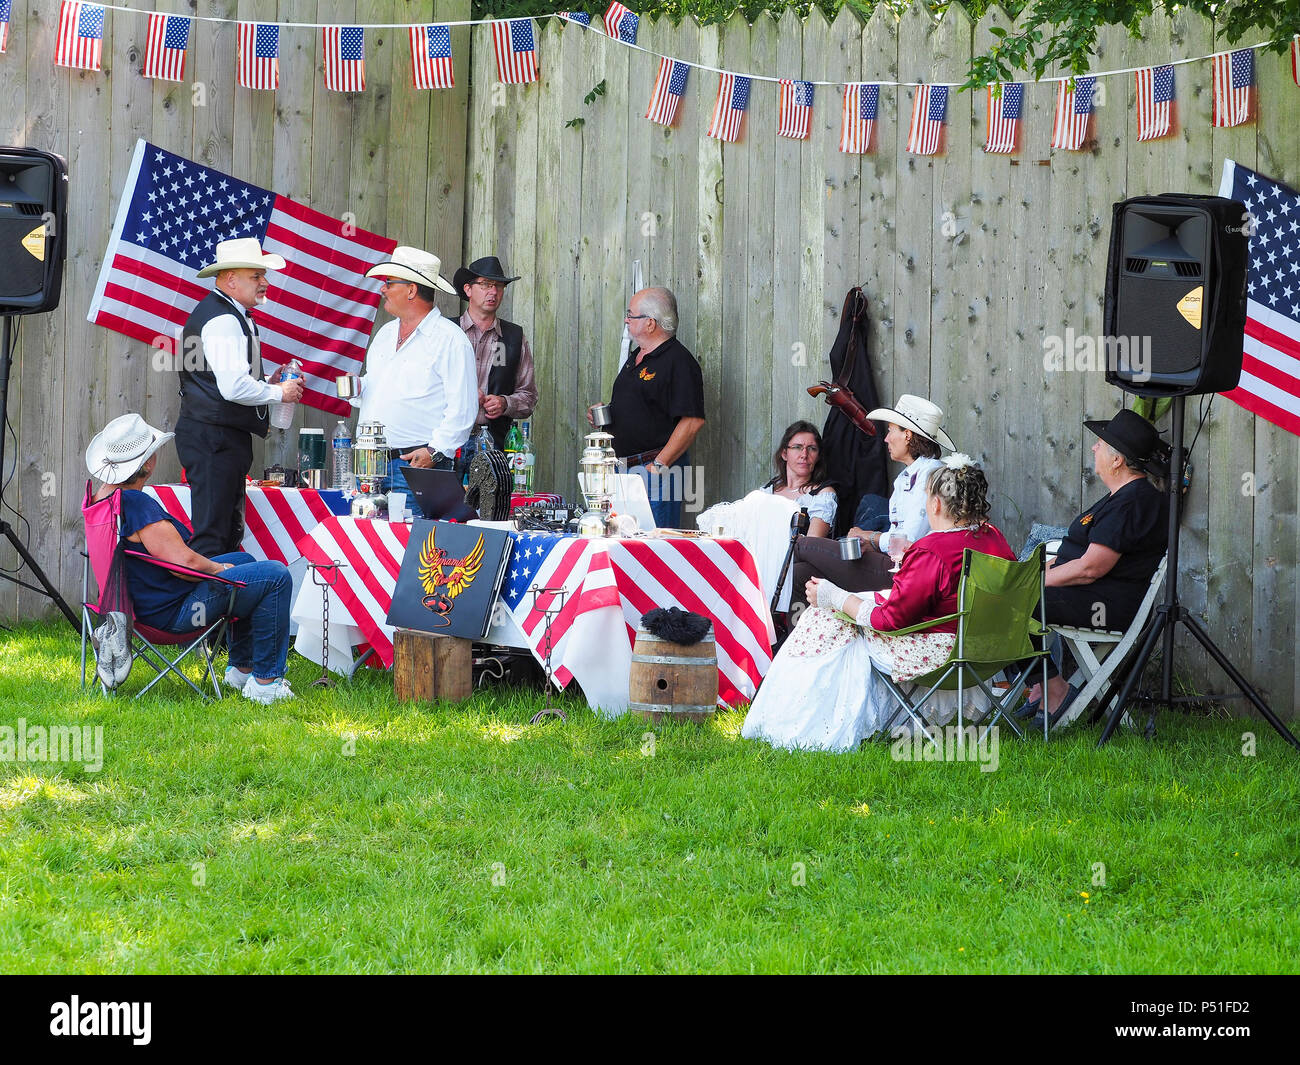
(729, 110)
(320, 307)
(670, 87)
(259, 55)
(858, 124)
(516, 51)
(1155, 102)
(6, 13)
(431, 57)
(796, 109)
(1072, 125)
(80, 35)
(1004, 102)
(345, 58)
(1234, 87)
(580, 17)
(1270, 364)
(621, 24)
(929, 113)
(164, 57)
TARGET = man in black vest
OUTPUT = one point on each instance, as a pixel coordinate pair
(506, 382)
(223, 396)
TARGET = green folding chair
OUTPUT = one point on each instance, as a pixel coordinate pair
(996, 602)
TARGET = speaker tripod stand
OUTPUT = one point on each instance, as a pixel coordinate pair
(6, 530)
(1171, 613)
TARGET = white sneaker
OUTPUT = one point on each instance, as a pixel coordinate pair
(267, 693)
(236, 679)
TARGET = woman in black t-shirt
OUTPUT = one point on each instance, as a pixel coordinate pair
(1106, 560)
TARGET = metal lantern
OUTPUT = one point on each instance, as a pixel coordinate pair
(370, 478)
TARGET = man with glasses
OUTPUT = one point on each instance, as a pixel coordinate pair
(657, 403)
(506, 382)
(419, 380)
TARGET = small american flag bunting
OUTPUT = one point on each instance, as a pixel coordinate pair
(1005, 101)
(929, 112)
(258, 65)
(80, 36)
(1155, 102)
(516, 51)
(621, 24)
(345, 58)
(1074, 112)
(861, 99)
(169, 37)
(431, 58)
(6, 12)
(729, 111)
(1295, 59)
(580, 17)
(670, 87)
(796, 109)
(1234, 87)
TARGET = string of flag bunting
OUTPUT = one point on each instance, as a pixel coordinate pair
(80, 34)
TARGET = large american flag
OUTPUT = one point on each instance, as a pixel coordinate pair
(169, 37)
(1155, 102)
(1234, 87)
(345, 58)
(929, 112)
(320, 308)
(1074, 99)
(670, 87)
(516, 50)
(1005, 100)
(621, 24)
(729, 110)
(6, 12)
(259, 55)
(796, 109)
(859, 121)
(1270, 366)
(80, 36)
(431, 57)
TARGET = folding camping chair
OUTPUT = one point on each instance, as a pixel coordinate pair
(103, 521)
(995, 619)
(1098, 672)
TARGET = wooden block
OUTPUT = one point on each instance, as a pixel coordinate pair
(429, 668)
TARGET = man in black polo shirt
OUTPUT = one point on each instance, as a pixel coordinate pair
(657, 403)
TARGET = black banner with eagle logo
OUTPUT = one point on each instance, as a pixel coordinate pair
(449, 579)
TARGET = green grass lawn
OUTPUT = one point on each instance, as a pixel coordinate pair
(229, 837)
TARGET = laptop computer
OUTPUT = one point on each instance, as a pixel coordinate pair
(439, 493)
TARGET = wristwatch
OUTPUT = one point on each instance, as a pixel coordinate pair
(435, 456)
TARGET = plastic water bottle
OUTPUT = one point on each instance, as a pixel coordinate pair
(529, 460)
(341, 445)
(282, 413)
(515, 459)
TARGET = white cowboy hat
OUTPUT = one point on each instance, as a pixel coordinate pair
(414, 265)
(122, 447)
(917, 414)
(243, 253)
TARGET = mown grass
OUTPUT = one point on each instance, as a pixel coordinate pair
(463, 839)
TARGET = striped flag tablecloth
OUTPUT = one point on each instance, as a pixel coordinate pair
(608, 585)
(275, 519)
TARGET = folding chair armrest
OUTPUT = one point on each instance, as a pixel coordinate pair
(183, 571)
(920, 627)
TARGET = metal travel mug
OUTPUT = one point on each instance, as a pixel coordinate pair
(850, 548)
(601, 415)
(347, 386)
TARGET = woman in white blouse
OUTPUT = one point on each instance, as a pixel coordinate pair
(801, 476)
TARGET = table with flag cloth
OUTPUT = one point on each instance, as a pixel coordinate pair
(609, 583)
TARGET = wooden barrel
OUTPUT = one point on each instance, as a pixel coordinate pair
(673, 681)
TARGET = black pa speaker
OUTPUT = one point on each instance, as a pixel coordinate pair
(1176, 294)
(33, 224)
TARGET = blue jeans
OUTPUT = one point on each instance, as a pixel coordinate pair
(397, 481)
(666, 491)
(259, 635)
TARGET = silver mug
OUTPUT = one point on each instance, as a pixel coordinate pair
(850, 548)
(601, 415)
(347, 386)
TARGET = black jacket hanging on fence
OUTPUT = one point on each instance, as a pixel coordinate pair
(858, 463)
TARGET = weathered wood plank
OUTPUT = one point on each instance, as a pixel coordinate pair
(707, 341)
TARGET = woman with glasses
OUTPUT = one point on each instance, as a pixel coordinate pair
(801, 476)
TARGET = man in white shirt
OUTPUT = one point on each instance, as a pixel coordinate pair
(223, 396)
(420, 380)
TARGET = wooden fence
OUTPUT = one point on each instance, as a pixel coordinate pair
(971, 261)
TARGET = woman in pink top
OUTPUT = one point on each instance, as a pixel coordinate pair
(821, 691)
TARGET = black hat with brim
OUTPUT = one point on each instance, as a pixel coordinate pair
(1135, 438)
(489, 268)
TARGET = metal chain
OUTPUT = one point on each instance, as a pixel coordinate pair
(325, 583)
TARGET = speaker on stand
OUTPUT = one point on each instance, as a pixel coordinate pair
(33, 226)
(1174, 318)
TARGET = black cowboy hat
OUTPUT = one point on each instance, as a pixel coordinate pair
(1135, 438)
(489, 267)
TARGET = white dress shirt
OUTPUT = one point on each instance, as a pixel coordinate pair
(907, 514)
(426, 392)
(237, 370)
